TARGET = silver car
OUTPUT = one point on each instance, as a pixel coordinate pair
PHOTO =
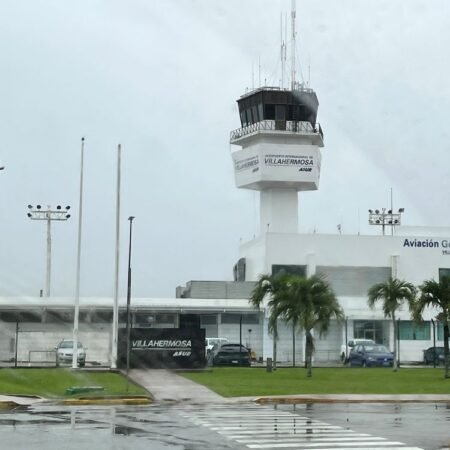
(64, 353)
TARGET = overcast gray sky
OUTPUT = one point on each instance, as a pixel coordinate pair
(162, 77)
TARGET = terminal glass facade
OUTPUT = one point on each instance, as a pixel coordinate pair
(410, 331)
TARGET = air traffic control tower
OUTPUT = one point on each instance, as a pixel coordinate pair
(279, 152)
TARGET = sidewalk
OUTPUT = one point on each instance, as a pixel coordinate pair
(167, 386)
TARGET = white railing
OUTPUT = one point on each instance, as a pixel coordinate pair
(277, 125)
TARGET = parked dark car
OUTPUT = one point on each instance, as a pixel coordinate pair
(429, 355)
(232, 355)
(371, 355)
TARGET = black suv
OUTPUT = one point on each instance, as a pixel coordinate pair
(232, 355)
(429, 355)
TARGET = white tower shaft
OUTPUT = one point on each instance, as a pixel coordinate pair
(279, 211)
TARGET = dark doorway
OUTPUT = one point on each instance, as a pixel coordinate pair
(191, 321)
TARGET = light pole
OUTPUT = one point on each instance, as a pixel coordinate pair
(434, 343)
(385, 217)
(37, 213)
(131, 218)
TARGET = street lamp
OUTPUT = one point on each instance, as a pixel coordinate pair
(385, 217)
(49, 214)
(131, 218)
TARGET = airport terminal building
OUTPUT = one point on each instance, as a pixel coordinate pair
(351, 263)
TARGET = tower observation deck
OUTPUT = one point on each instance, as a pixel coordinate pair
(279, 154)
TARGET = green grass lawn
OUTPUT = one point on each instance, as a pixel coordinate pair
(52, 383)
(240, 381)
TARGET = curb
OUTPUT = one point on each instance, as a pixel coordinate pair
(361, 399)
(107, 401)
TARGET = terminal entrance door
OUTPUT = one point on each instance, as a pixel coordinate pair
(370, 329)
(369, 334)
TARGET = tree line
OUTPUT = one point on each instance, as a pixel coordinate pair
(310, 303)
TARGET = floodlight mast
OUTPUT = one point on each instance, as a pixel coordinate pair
(37, 213)
(386, 217)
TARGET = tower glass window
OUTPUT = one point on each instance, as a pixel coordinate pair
(269, 112)
(280, 112)
(260, 111)
(255, 114)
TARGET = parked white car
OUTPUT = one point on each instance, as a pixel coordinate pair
(346, 349)
(64, 353)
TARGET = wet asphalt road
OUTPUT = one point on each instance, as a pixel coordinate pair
(418, 424)
(228, 426)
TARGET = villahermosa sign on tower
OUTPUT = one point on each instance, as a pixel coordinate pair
(268, 166)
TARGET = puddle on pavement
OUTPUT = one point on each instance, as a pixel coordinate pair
(141, 427)
(127, 431)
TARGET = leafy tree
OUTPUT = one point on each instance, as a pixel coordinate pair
(437, 295)
(393, 293)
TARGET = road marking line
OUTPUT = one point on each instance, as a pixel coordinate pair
(244, 434)
(335, 445)
(257, 427)
(316, 439)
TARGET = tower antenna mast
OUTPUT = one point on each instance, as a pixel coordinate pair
(293, 46)
(283, 50)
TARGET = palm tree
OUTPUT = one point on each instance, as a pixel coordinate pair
(393, 294)
(306, 302)
(271, 287)
(310, 303)
(437, 294)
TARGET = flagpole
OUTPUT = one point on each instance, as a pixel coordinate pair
(77, 288)
(115, 327)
